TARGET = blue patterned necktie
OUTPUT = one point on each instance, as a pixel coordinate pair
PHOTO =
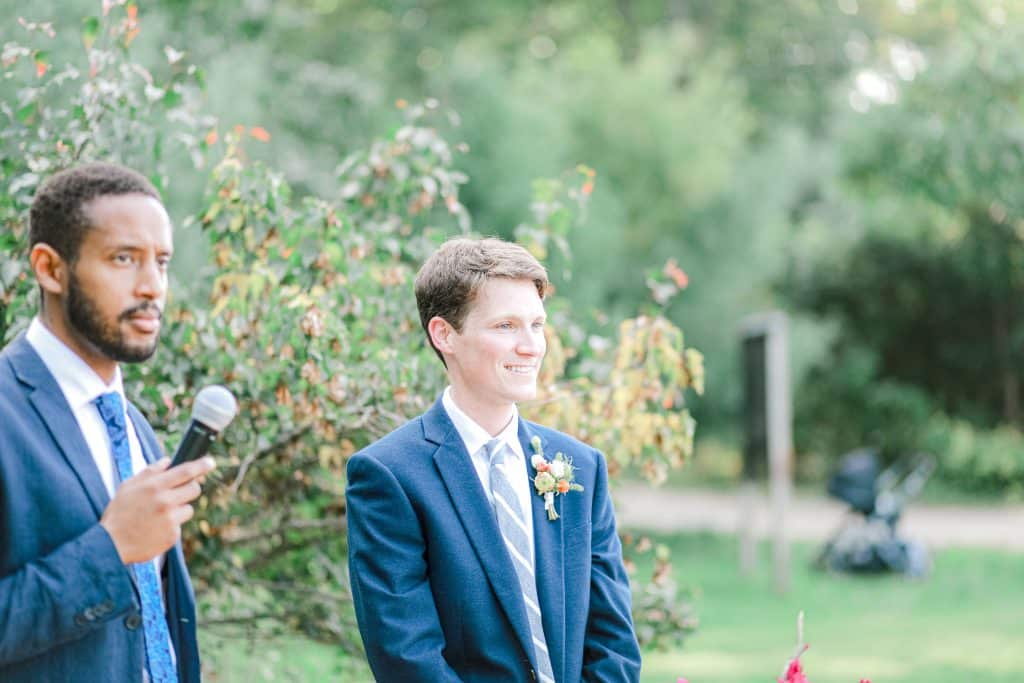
(514, 532)
(159, 664)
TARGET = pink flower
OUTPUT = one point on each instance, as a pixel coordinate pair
(794, 673)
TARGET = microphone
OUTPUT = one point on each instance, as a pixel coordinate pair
(213, 410)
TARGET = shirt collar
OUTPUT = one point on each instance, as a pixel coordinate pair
(476, 437)
(79, 383)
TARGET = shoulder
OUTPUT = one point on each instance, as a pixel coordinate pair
(396, 447)
(588, 462)
(12, 391)
(554, 440)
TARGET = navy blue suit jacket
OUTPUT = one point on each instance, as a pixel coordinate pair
(436, 595)
(69, 610)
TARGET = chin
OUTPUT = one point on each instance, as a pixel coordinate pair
(523, 394)
(136, 353)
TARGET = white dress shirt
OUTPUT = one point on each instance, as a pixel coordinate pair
(475, 439)
(81, 386)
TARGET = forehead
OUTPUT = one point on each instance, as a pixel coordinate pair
(127, 220)
(507, 297)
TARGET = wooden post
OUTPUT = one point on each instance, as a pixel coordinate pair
(769, 436)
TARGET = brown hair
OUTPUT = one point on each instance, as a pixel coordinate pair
(452, 276)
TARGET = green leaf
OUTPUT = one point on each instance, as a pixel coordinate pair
(25, 114)
(172, 98)
(90, 30)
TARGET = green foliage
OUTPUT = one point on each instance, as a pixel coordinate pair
(985, 461)
(106, 107)
(928, 293)
(305, 312)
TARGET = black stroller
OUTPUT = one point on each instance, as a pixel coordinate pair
(867, 541)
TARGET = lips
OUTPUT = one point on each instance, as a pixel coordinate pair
(147, 324)
(524, 370)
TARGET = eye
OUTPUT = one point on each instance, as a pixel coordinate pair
(163, 261)
(123, 258)
(539, 325)
(504, 325)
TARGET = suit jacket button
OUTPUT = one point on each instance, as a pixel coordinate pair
(132, 621)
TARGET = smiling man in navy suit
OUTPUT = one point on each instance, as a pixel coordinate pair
(93, 584)
(459, 570)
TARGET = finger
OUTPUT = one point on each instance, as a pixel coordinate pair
(155, 468)
(188, 471)
(182, 514)
(185, 493)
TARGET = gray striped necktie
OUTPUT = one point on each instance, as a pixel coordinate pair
(513, 530)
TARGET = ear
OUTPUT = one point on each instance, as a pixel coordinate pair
(50, 269)
(441, 334)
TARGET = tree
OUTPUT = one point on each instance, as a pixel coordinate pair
(304, 311)
(928, 295)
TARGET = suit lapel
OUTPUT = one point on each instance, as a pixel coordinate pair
(550, 566)
(48, 400)
(477, 519)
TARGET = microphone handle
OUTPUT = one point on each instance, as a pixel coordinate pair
(195, 444)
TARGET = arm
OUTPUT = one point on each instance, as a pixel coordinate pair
(395, 608)
(85, 583)
(61, 597)
(610, 650)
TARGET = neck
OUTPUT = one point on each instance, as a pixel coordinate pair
(104, 367)
(492, 417)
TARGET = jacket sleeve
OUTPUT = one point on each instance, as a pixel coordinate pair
(61, 597)
(395, 607)
(610, 649)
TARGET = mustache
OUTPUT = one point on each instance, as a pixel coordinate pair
(147, 307)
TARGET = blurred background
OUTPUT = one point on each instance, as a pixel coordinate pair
(857, 164)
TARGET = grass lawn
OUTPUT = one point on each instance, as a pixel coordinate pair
(285, 659)
(963, 625)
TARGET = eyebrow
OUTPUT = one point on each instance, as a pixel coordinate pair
(135, 246)
(511, 316)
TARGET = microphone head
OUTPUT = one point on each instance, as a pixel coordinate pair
(214, 407)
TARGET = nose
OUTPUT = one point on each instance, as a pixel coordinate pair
(151, 281)
(531, 343)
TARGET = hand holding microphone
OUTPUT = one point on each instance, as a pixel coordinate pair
(213, 410)
(145, 516)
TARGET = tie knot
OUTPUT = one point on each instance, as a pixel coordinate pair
(495, 453)
(111, 409)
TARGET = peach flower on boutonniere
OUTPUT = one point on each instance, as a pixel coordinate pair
(554, 477)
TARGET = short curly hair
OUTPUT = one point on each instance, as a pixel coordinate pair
(58, 217)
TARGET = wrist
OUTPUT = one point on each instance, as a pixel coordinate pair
(118, 545)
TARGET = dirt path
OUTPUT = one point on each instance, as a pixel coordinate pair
(639, 506)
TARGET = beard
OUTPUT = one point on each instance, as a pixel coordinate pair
(85, 318)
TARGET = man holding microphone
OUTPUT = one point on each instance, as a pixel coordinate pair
(93, 583)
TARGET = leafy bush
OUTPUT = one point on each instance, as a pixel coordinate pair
(305, 312)
(987, 461)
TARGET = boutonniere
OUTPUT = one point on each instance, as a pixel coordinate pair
(553, 476)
